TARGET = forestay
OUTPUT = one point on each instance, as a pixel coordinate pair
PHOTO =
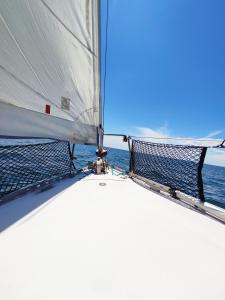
(49, 69)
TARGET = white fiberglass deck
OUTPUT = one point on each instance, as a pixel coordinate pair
(118, 241)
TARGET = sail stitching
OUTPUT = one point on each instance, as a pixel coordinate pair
(21, 51)
(84, 111)
(32, 89)
(67, 28)
(74, 117)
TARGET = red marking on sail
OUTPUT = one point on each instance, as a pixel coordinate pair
(47, 109)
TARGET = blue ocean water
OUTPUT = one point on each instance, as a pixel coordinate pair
(213, 176)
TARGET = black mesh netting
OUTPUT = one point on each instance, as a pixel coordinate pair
(176, 166)
(24, 165)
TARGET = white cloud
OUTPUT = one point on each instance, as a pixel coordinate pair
(161, 132)
(214, 133)
(214, 156)
(115, 142)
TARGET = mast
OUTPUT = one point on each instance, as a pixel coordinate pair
(100, 128)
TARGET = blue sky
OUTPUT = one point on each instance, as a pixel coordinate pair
(166, 67)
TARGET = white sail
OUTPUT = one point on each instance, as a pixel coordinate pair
(49, 69)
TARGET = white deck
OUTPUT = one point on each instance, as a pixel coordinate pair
(118, 241)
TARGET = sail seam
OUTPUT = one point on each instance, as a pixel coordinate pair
(37, 112)
(21, 51)
(65, 26)
(32, 89)
(84, 111)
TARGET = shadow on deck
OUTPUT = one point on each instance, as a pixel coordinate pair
(14, 210)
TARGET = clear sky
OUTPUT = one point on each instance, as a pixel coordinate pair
(166, 67)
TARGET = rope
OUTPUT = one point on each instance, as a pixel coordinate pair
(220, 145)
(130, 137)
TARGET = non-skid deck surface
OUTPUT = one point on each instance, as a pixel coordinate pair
(112, 241)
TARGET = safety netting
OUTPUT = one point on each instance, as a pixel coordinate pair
(176, 166)
(23, 165)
